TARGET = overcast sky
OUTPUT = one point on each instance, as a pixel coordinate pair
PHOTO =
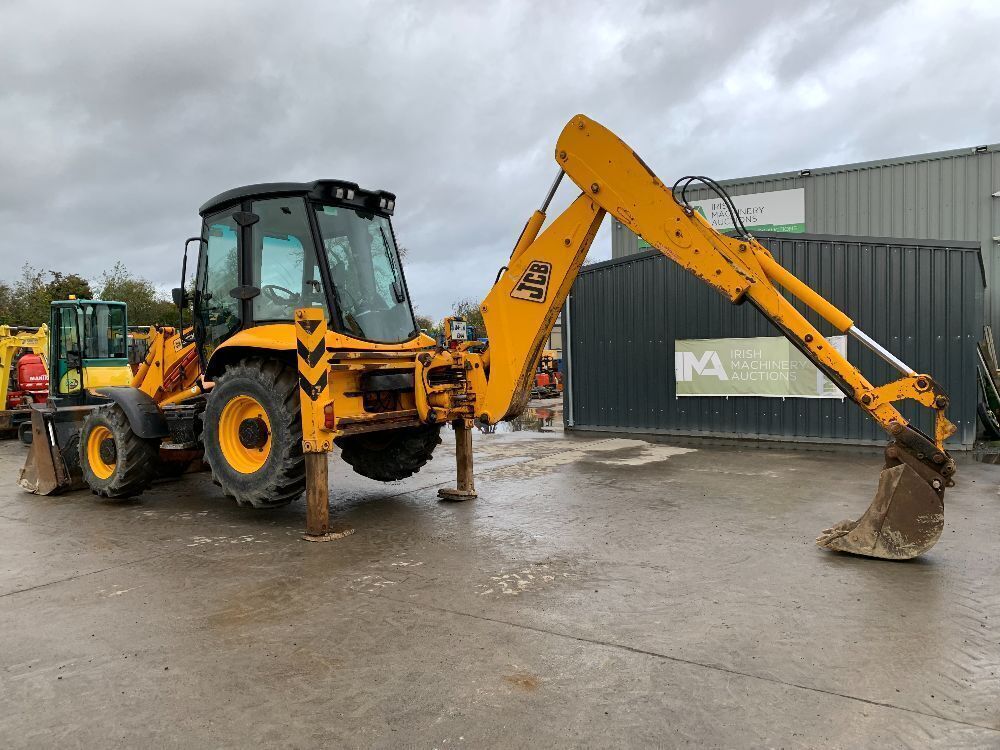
(118, 119)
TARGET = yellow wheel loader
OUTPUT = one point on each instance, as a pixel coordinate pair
(101, 426)
(305, 337)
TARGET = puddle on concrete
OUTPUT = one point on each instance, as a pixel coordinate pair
(608, 451)
(987, 451)
(540, 416)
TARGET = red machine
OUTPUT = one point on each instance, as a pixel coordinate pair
(548, 379)
(30, 383)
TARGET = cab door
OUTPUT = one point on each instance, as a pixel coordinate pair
(217, 314)
(66, 358)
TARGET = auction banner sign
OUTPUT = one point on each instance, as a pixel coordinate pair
(762, 366)
(774, 211)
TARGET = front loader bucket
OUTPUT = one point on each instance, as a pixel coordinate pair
(904, 520)
(46, 470)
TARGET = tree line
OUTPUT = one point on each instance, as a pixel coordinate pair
(25, 301)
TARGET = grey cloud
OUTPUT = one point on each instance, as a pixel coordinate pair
(119, 120)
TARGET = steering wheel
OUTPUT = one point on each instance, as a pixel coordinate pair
(286, 297)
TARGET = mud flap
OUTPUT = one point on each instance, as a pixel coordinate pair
(905, 519)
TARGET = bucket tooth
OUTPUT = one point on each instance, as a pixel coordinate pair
(904, 520)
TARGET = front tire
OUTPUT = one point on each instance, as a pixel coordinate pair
(253, 433)
(116, 463)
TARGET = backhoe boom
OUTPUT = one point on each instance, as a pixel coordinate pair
(906, 517)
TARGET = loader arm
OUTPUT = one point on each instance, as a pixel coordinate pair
(906, 516)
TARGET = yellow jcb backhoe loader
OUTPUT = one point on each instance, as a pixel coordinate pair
(305, 338)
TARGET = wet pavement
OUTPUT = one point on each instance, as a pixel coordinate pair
(602, 591)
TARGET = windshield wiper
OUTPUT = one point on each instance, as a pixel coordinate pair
(397, 288)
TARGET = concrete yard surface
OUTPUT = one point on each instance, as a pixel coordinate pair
(601, 592)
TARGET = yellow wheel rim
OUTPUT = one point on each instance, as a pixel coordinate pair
(102, 469)
(245, 434)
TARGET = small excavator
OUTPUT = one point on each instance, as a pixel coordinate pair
(303, 337)
(23, 374)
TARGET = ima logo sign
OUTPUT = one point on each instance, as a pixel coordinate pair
(689, 364)
(533, 285)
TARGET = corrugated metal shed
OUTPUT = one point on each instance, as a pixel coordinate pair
(923, 301)
(941, 196)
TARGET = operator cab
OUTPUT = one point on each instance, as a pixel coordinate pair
(88, 347)
(271, 248)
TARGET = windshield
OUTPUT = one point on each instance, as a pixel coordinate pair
(104, 332)
(101, 326)
(364, 267)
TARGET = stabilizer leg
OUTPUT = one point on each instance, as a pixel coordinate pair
(318, 502)
(314, 394)
(466, 489)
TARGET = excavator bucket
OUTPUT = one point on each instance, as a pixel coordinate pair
(904, 520)
(52, 465)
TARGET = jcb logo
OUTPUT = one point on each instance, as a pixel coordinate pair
(533, 285)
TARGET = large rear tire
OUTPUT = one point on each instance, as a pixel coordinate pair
(991, 426)
(391, 455)
(116, 463)
(253, 433)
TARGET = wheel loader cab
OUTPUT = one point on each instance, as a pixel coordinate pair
(88, 347)
(270, 249)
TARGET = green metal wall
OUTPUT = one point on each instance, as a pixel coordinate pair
(923, 301)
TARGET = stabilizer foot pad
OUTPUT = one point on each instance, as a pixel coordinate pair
(338, 531)
(457, 496)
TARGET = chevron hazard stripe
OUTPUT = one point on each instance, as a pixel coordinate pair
(314, 377)
(310, 334)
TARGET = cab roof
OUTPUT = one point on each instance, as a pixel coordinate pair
(87, 301)
(338, 192)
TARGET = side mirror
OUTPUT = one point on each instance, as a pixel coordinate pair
(180, 298)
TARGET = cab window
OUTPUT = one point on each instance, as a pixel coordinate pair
(217, 312)
(284, 261)
(104, 332)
